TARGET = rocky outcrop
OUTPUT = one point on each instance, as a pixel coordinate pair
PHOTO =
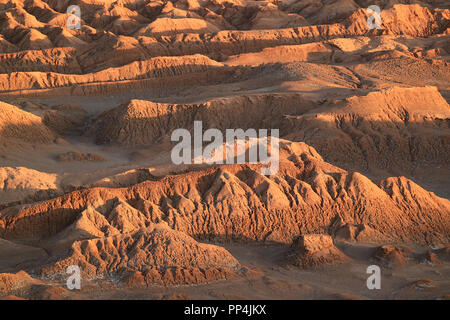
(11, 283)
(362, 113)
(21, 126)
(391, 256)
(158, 67)
(141, 122)
(79, 156)
(237, 202)
(157, 253)
(139, 35)
(392, 128)
(315, 250)
(65, 119)
(17, 183)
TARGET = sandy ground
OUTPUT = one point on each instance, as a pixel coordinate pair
(284, 282)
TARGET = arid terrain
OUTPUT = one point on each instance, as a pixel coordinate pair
(87, 178)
